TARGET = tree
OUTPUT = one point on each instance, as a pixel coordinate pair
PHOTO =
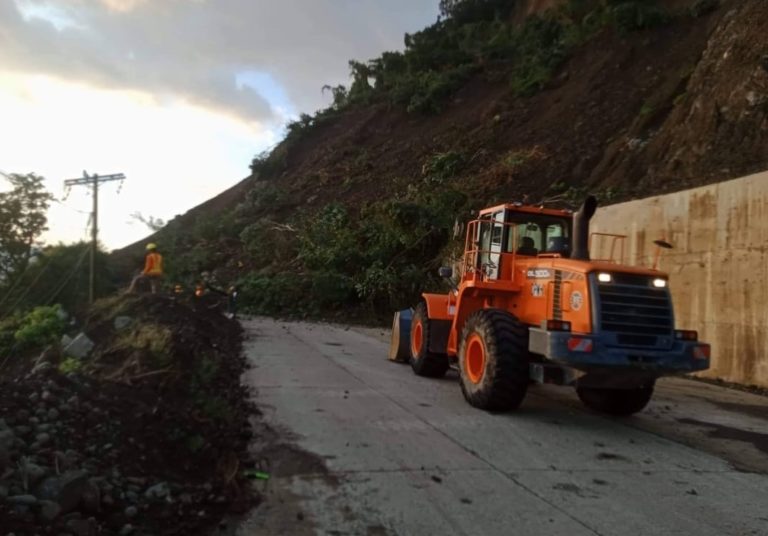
(58, 275)
(22, 220)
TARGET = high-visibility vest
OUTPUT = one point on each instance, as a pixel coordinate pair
(153, 264)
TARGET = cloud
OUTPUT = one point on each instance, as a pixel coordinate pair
(197, 50)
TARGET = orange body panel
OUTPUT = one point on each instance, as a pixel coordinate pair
(439, 306)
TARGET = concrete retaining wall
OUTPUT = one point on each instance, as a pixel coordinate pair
(718, 269)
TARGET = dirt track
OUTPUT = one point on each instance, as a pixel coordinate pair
(390, 453)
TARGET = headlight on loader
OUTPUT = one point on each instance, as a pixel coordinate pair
(660, 283)
(604, 277)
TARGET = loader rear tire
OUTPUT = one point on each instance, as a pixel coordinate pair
(618, 402)
(494, 360)
(424, 362)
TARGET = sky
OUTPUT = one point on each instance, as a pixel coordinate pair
(178, 95)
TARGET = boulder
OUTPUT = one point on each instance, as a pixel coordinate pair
(158, 492)
(23, 500)
(122, 322)
(67, 490)
(49, 510)
(80, 347)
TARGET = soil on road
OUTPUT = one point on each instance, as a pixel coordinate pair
(375, 450)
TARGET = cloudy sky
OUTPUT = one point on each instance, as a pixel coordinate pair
(176, 94)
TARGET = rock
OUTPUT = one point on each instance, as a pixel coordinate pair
(53, 414)
(40, 368)
(127, 529)
(7, 439)
(132, 496)
(67, 460)
(3, 425)
(25, 500)
(31, 472)
(82, 527)
(67, 489)
(42, 438)
(46, 396)
(122, 322)
(23, 415)
(137, 481)
(131, 512)
(49, 510)
(66, 340)
(23, 430)
(80, 347)
(3, 491)
(92, 497)
(158, 492)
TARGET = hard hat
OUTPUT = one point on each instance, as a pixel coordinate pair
(151, 246)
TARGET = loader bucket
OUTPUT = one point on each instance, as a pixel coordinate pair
(399, 346)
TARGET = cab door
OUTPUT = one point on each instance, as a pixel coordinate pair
(491, 244)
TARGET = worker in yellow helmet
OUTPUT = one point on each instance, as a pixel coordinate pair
(153, 269)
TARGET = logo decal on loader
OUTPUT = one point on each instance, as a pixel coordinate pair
(577, 300)
(537, 290)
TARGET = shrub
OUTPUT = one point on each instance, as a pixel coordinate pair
(638, 15)
(442, 166)
(704, 7)
(70, 365)
(40, 327)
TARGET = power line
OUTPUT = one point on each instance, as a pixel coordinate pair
(31, 286)
(93, 182)
(68, 278)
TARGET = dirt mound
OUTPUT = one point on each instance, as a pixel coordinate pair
(148, 436)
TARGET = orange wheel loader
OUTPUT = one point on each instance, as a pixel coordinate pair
(532, 306)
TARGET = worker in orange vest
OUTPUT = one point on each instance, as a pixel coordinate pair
(153, 269)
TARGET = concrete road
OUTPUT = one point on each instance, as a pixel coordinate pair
(361, 446)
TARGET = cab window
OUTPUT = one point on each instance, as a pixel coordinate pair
(535, 234)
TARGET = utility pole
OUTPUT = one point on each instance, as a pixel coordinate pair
(93, 181)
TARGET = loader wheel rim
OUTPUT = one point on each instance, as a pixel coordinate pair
(474, 360)
(417, 338)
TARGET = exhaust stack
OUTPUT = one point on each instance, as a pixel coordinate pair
(580, 249)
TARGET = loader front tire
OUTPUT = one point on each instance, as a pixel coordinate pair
(494, 360)
(424, 362)
(618, 402)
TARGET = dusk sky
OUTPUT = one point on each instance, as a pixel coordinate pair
(177, 94)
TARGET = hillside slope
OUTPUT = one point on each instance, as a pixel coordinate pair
(355, 209)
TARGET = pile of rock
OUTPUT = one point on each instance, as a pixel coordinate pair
(63, 465)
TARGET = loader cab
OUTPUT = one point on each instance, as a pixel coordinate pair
(504, 233)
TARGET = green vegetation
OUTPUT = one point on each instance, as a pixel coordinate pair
(56, 274)
(474, 36)
(22, 220)
(70, 365)
(379, 257)
(40, 327)
(150, 339)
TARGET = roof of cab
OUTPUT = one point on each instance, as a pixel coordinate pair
(519, 207)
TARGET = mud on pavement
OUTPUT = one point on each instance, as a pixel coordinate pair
(147, 435)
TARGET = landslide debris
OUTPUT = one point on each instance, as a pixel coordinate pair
(146, 435)
(533, 101)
